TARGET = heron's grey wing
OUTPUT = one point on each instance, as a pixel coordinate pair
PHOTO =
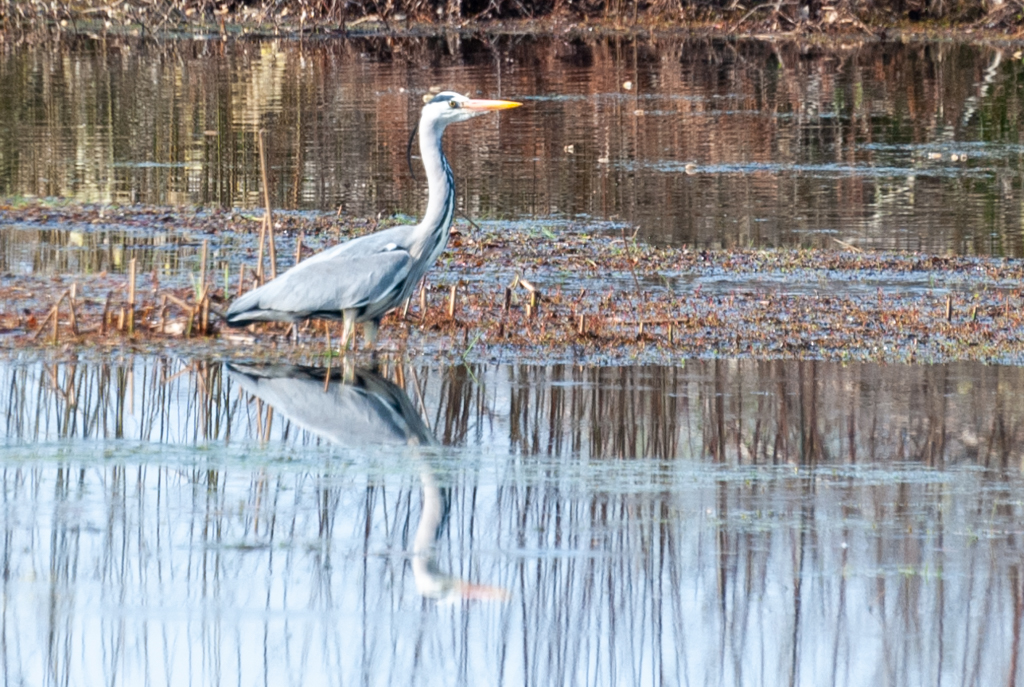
(346, 280)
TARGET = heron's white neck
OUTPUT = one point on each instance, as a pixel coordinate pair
(432, 232)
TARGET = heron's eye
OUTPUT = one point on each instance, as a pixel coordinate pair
(453, 104)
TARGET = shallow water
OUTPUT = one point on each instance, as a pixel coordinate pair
(877, 144)
(172, 520)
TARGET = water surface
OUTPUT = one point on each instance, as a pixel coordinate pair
(169, 521)
(691, 141)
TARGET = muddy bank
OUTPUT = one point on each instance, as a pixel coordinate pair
(516, 292)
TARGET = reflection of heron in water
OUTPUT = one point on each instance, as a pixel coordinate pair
(361, 408)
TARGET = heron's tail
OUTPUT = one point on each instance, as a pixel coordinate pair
(245, 310)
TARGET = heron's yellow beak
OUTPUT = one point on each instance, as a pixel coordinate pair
(486, 105)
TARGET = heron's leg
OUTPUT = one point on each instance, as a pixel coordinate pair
(348, 326)
(370, 328)
(295, 333)
(348, 371)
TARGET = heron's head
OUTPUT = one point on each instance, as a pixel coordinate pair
(447, 107)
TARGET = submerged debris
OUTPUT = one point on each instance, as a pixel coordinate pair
(513, 293)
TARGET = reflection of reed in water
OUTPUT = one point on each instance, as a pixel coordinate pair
(729, 412)
(356, 407)
(626, 571)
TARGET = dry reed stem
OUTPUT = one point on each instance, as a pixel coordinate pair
(73, 292)
(268, 217)
(106, 313)
(131, 297)
(202, 270)
(259, 254)
(46, 320)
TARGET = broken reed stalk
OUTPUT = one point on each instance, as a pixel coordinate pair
(268, 218)
(71, 302)
(106, 314)
(201, 293)
(423, 302)
(46, 320)
(178, 302)
(259, 254)
(202, 302)
(298, 248)
(531, 307)
(44, 323)
(451, 302)
(949, 308)
(54, 316)
(131, 297)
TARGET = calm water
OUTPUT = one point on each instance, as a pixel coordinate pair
(173, 521)
(881, 145)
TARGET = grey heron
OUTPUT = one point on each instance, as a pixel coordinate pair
(362, 279)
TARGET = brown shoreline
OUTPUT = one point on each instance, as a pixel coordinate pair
(523, 296)
(806, 22)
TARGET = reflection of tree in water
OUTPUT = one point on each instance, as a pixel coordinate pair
(726, 522)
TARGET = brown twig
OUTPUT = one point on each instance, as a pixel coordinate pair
(71, 302)
(268, 217)
(42, 325)
(131, 297)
